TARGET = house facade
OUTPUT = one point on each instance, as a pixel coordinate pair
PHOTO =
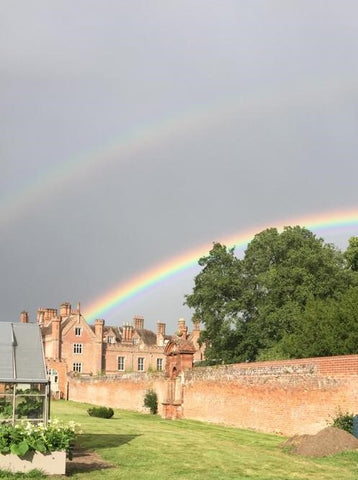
(72, 345)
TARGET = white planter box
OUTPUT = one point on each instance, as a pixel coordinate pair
(50, 463)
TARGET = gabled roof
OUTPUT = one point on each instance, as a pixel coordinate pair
(108, 330)
(21, 353)
(75, 319)
(179, 345)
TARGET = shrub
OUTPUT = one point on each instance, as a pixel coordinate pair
(102, 412)
(344, 421)
(151, 401)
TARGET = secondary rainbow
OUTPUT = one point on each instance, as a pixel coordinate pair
(186, 260)
(137, 141)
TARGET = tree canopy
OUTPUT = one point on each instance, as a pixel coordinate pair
(287, 297)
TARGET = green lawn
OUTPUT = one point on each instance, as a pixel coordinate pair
(146, 447)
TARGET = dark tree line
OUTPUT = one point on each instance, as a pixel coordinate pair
(292, 295)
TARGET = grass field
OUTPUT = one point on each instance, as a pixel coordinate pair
(146, 447)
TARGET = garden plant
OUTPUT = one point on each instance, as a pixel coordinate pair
(343, 420)
(26, 436)
(151, 401)
(101, 412)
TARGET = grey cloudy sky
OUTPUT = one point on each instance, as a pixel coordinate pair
(132, 132)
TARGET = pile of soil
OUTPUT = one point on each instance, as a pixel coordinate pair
(328, 441)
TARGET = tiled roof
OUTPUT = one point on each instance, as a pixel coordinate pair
(148, 337)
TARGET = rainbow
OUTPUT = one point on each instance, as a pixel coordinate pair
(186, 260)
(142, 138)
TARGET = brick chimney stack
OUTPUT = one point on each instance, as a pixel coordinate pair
(24, 317)
(50, 314)
(56, 338)
(45, 315)
(138, 322)
(65, 309)
(98, 329)
(40, 316)
(160, 333)
(183, 330)
(127, 333)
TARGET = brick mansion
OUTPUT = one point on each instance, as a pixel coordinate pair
(72, 345)
(112, 365)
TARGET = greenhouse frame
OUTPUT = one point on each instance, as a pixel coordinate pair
(24, 386)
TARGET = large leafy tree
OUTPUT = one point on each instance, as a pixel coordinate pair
(284, 271)
(351, 254)
(327, 327)
(250, 306)
(215, 299)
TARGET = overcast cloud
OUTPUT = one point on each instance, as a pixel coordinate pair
(134, 131)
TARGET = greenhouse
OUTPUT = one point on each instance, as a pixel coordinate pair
(24, 386)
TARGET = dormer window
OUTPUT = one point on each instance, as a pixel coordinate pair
(135, 340)
(78, 331)
(110, 340)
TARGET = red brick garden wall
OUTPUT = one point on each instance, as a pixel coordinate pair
(288, 397)
(126, 391)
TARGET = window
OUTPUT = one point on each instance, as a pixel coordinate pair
(110, 339)
(77, 367)
(121, 364)
(159, 364)
(78, 331)
(140, 364)
(53, 375)
(77, 347)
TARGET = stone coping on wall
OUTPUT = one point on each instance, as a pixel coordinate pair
(132, 376)
(319, 366)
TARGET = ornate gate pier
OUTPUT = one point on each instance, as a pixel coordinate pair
(179, 357)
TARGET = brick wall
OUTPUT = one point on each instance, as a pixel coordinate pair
(125, 391)
(288, 397)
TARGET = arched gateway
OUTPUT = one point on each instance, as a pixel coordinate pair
(179, 357)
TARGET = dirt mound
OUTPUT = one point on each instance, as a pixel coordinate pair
(328, 441)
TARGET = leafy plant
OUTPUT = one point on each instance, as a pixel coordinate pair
(24, 437)
(30, 407)
(344, 421)
(34, 474)
(5, 408)
(102, 412)
(151, 401)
